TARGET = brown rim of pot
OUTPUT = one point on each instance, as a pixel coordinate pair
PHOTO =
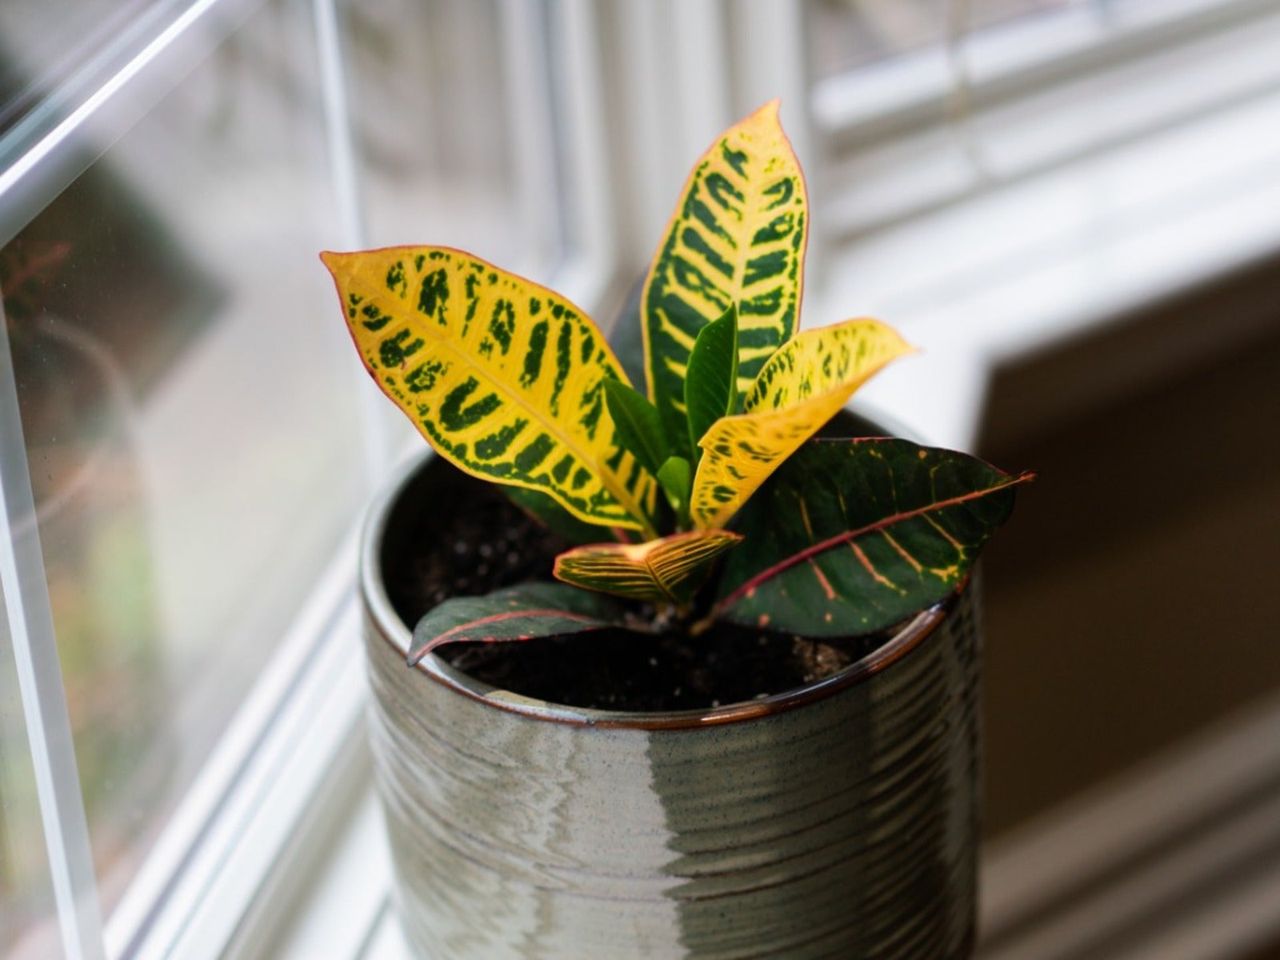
(393, 631)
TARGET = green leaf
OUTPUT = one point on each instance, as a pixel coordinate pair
(666, 570)
(504, 378)
(675, 476)
(737, 238)
(854, 536)
(557, 519)
(711, 382)
(523, 612)
(638, 426)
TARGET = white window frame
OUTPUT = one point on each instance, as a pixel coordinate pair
(1006, 60)
(34, 672)
(979, 91)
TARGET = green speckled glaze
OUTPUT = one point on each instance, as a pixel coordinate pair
(838, 821)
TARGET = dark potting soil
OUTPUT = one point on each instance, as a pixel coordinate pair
(469, 539)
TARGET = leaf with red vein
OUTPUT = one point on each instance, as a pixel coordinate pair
(523, 612)
(853, 536)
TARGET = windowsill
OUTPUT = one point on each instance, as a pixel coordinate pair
(1113, 232)
(348, 912)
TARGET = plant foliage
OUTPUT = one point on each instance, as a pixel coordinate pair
(715, 465)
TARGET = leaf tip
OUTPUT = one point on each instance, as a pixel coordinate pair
(331, 259)
(764, 120)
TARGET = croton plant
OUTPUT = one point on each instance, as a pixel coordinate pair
(707, 497)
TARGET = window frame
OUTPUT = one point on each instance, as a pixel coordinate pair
(949, 96)
(1007, 60)
(36, 673)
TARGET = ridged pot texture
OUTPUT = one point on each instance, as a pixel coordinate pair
(839, 821)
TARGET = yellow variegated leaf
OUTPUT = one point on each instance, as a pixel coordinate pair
(668, 570)
(737, 238)
(801, 387)
(505, 378)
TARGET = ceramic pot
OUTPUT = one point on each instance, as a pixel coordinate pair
(838, 820)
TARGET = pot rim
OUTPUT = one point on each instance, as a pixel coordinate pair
(393, 631)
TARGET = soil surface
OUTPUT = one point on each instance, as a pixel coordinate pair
(465, 538)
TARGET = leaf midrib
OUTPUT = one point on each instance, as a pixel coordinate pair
(831, 543)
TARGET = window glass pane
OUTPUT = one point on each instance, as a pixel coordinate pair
(433, 127)
(846, 34)
(188, 404)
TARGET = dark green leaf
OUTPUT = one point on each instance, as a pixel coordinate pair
(557, 519)
(637, 424)
(675, 476)
(522, 612)
(854, 536)
(711, 382)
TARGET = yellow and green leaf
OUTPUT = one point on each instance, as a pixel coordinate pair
(801, 387)
(504, 377)
(667, 570)
(737, 239)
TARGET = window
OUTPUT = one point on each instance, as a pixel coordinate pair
(186, 433)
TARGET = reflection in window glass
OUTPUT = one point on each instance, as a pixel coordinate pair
(846, 34)
(188, 411)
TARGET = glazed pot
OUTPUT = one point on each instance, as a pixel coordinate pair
(838, 820)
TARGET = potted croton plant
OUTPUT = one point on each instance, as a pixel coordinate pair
(685, 679)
